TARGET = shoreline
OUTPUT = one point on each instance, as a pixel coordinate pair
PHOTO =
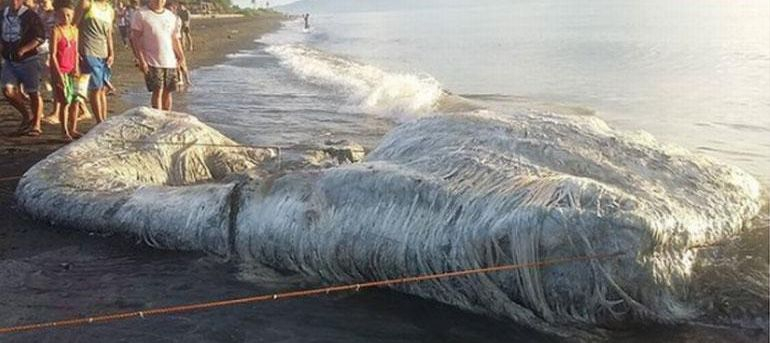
(50, 249)
(47, 270)
(21, 236)
(214, 38)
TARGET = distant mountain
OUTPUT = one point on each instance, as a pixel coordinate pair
(336, 6)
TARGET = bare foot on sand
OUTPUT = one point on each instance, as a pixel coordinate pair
(51, 119)
(83, 112)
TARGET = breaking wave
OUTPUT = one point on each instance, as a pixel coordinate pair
(370, 89)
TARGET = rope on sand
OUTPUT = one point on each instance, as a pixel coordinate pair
(294, 294)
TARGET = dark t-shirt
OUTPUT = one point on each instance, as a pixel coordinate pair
(18, 30)
(184, 15)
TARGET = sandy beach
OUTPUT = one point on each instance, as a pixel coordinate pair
(214, 38)
(384, 142)
(22, 239)
(52, 273)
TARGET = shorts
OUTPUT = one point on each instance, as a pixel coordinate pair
(43, 61)
(81, 86)
(124, 32)
(161, 78)
(98, 70)
(68, 94)
(185, 29)
(25, 73)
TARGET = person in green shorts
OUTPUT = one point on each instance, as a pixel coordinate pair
(65, 68)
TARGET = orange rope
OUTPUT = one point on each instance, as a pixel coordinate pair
(10, 178)
(293, 294)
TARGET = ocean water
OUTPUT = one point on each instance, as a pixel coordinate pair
(691, 73)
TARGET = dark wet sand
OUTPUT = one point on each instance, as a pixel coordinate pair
(51, 273)
(215, 37)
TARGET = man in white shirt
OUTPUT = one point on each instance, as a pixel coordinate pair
(155, 34)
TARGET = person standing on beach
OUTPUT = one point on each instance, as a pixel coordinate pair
(47, 15)
(131, 8)
(307, 20)
(65, 68)
(123, 22)
(155, 39)
(95, 19)
(21, 32)
(184, 15)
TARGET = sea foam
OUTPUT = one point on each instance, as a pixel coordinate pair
(371, 89)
